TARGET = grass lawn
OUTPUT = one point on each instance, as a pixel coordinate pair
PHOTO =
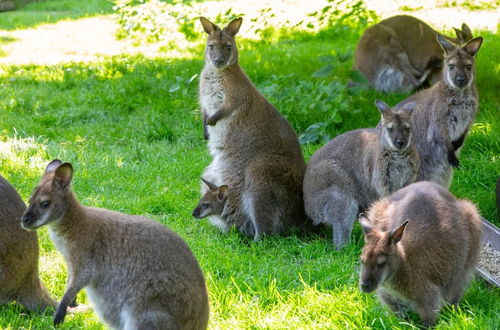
(131, 127)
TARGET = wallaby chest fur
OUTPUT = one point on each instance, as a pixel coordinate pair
(19, 250)
(421, 248)
(255, 150)
(138, 274)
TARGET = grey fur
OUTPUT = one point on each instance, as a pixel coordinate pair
(19, 280)
(137, 273)
(255, 150)
(355, 169)
(421, 247)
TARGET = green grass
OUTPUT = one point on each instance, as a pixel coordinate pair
(42, 12)
(131, 128)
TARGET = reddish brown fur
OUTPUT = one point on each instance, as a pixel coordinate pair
(435, 257)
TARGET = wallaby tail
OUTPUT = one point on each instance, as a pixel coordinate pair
(37, 298)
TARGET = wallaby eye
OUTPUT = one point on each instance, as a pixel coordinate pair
(451, 66)
(228, 47)
(390, 129)
(468, 66)
(205, 205)
(210, 47)
(44, 204)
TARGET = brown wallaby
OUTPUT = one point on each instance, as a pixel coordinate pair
(400, 53)
(212, 203)
(445, 112)
(255, 150)
(421, 247)
(137, 273)
(358, 167)
(19, 279)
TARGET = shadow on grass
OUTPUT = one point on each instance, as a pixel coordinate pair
(51, 11)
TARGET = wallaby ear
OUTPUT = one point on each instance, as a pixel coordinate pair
(53, 165)
(409, 106)
(445, 44)
(208, 26)
(472, 47)
(459, 34)
(382, 106)
(234, 26)
(365, 223)
(466, 32)
(396, 235)
(63, 175)
(222, 193)
(210, 185)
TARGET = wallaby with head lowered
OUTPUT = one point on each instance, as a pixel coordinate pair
(421, 247)
(19, 280)
(401, 53)
(137, 273)
(445, 112)
(212, 203)
(255, 150)
(357, 168)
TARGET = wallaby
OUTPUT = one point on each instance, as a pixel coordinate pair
(255, 150)
(212, 203)
(400, 53)
(137, 273)
(421, 247)
(19, 279)
(357, 168)
(445, 113)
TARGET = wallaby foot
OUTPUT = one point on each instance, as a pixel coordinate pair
(428, 304)
(394, 304)
(151, 321)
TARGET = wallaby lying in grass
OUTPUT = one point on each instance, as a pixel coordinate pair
(358, 167)
(255, 150)
(19, 279)
(137, 273)
(400, 53)
(421, 247)
(445, 112)
(212, 203)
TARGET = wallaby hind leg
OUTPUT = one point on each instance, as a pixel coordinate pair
(343, 217)
(150, 321)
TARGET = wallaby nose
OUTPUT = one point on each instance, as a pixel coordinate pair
(364, 286)
(460, 80)
(195, 213)
(219, 61)
(25, 220)
(400, 143)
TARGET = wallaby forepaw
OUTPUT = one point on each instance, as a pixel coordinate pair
(453, 160)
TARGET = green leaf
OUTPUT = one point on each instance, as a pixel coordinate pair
(324, 71)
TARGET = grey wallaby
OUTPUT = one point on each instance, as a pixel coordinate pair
(357, 168)
(400, 53)
(255, 150)
(137, 273)
(19, 280)
(212, 203)
(445, 112)
(421, 247)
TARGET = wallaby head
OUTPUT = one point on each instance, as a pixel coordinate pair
(396, 127)
(379, 257)
(221, 50)
(212, 203)
(48, 201)
(463, 35)
(459, 62)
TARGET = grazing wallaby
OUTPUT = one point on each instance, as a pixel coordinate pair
(400, 53)
(255, 150)
(358, 167)
(19, 279)
(445, 112)
(421, 247)
(212, 203)
(137, 273)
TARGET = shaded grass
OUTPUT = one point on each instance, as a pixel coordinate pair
(42, 12)
(136, 146)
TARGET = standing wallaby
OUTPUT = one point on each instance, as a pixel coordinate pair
(255, 150)
(400, 53)
(137, 273)
(445, 113)
(421, 247)
(212, 203)
(19, 279)
(358, 167)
